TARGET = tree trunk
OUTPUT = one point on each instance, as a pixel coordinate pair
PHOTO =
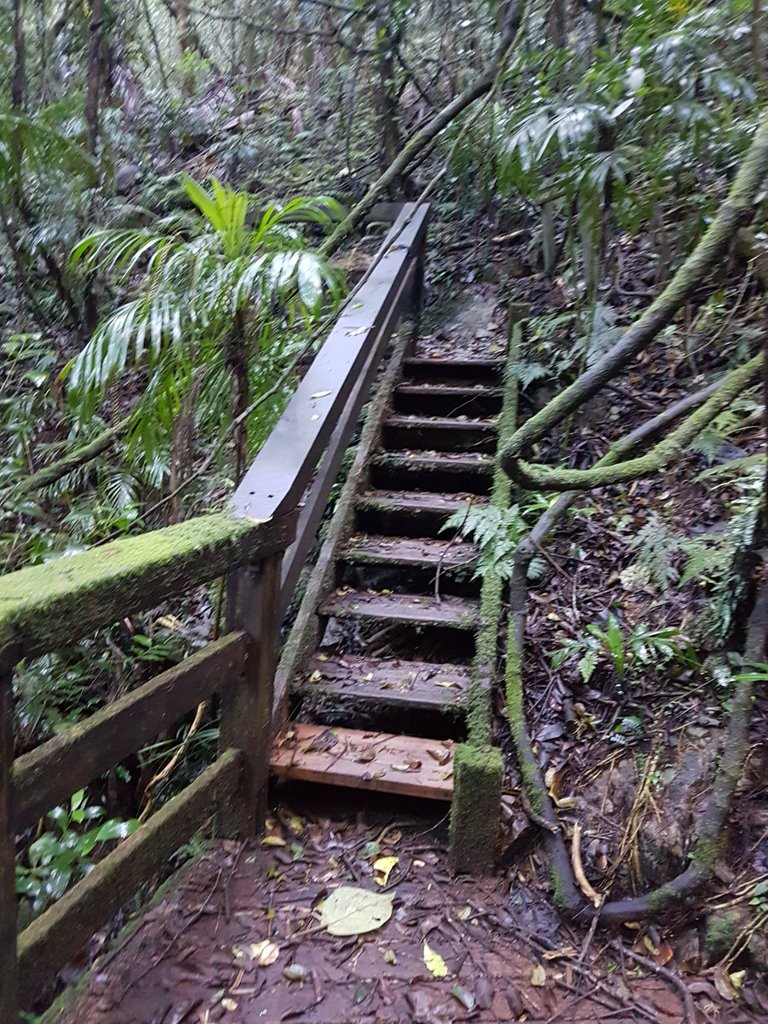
(19, 84)
(757, 42)
(387, 98)
(93, 87)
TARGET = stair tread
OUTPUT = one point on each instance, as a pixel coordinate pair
(441, 422)
(465, 360)
(386, 680)
(418, 609)
(410, 551)
(478, 390)
(420, 457)
(358, 759)
(426, 501)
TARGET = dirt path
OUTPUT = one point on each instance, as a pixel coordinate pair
(506, 957)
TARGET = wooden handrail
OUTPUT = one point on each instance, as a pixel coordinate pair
(44, 607)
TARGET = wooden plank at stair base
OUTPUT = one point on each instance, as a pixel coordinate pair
(473, 369)
(412, 552)
(390, 681)
(410, 609)
(403, 765)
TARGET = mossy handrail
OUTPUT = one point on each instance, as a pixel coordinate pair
(45, 607)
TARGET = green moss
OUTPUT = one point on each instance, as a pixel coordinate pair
(723, 929)
(45, 606)
(706, 852)
(477, 774)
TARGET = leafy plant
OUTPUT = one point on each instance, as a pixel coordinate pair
(64, 852)
(496, 532)
(642, 646)
(213, 294)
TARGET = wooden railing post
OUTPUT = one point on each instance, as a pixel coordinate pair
(246, 713)
(9, 978)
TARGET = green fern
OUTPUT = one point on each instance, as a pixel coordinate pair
(497, 533)
(656, 545)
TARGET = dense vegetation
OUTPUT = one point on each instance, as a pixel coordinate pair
(181, 192)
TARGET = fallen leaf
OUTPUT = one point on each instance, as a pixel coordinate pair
(320, 394)
(272, 841)
(316, 676)
(389, 956)
(295, 972)
(435, 963)
(538, 976)
(353, 911)
(229, 1004)
(442, 756)
(466, 998)
(264, 953)
(382, 868)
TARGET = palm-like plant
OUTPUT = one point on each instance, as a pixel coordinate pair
(211, 296)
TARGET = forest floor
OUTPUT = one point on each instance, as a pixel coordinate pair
(506, 954)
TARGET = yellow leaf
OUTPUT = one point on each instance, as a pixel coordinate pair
(382, 868)
(272, 841)
(737, 979)
(538, 976)
(264, 953)
(229, 1004)
(316, 676)
(389, 956)
(435, 963)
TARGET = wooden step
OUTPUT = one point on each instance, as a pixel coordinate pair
(412, 502)
(411, 513)
(411, 609)
(443, 434)
(419, 552)
(405, 765)
(448, 399)
(390, 681)
(480, 369)
(433, 471)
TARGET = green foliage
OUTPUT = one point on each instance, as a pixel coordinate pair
(201, 281)
(497, 533)
(656, 545)
(628, 654)
(64, 852)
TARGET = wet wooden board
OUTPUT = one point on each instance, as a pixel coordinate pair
(414, 609)
(405, 765)
(418, 501)
(443, 434)
(447, 462)
(466, 366)
(410, 552)
(416, 684)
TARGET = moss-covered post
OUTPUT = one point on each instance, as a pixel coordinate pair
(9, 1007)
(246, 714)
(478, 768)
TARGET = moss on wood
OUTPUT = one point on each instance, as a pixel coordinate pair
(46, 606)
(477, 774)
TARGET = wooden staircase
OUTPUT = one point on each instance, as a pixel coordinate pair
(393, 611)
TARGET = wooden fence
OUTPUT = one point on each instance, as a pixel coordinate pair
(260, 544)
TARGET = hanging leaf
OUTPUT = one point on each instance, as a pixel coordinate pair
(353, 911)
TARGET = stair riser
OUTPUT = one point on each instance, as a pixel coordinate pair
(415, 371)
(383, 714)
(412, 478)
(479, 406)
(439, 439)
(403, 523)
(414, 579)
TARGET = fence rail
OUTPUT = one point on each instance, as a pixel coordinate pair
(260, 544)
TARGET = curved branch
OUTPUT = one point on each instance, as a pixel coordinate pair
(549, 478)
(736, 210)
